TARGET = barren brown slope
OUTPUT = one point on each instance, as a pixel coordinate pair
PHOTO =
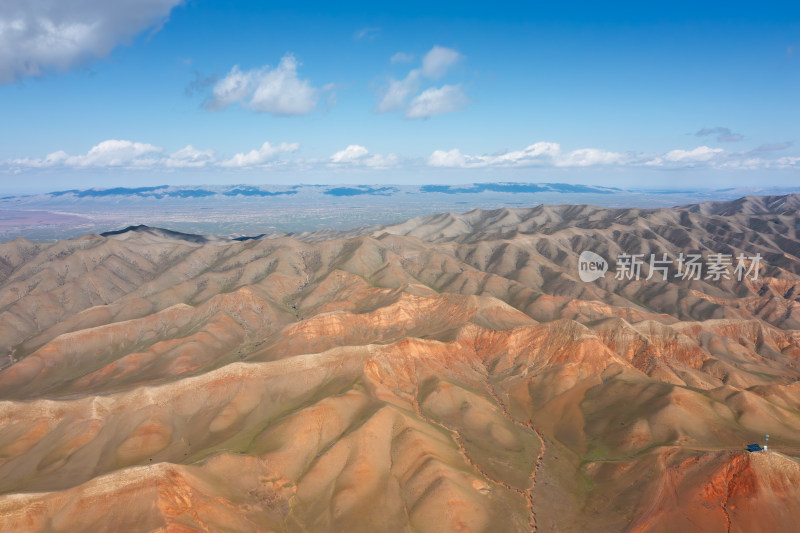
(448, 373)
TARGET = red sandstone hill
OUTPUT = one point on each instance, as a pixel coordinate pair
(450, 373)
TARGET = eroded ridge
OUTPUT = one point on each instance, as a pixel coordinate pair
(451, 373)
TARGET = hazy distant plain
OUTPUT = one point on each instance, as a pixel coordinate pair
(266, 210)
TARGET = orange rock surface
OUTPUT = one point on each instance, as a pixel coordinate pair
(450, 373)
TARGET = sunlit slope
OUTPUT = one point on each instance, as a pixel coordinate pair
(450, 373)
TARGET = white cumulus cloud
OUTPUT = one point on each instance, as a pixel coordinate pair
(264, 155)
(116, 153)
(404, 94)
(352, 153)
(587, 157)
(688, 158)
(112, 153)
(235, 87)
(550, 154)
(701, 153)
(537, 154)
(451, 158)
(38, 36)
(279, 90)
(358, 156)
(124, 154)
(541, 153)
(119, 154)
(189, 157)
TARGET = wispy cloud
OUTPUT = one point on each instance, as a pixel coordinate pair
(398, 92)
(38, 36)
(402, 57)
(438, 61)
(200, 83)
(433, 101)
(775, 147)
(368, 33)
(723, 135)
(278, 91)
(403, 94)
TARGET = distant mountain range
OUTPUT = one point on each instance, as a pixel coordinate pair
(204, 191)
(266, 191)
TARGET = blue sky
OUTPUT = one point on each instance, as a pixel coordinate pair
(97, 93)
